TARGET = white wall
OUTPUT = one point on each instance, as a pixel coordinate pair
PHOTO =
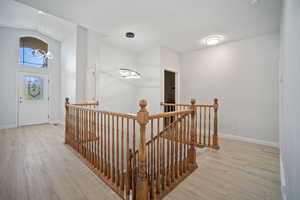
(9, 64)
(290, 97)
(148, 86)
(243, 75)
(81, 63)
(115, 94)
(68, 71)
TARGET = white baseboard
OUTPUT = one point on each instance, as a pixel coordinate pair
(249, 140)
(4, 126)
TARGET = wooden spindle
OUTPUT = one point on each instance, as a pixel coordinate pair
(204, 127)
(134, 161)
(109, 147)
(98, 141)
(172, 141)
(209, 122)
(215, 136)
(118, 153)
(151, 171)
(122, 148)
(105, 146)
(200, 125)
(158, 160)
(101, 143)
(129, 173)
(180, 147)
(176, 148)
(66, 119)
(113, 150)
(192, 153)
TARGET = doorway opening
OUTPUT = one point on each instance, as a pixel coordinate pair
(169, 88)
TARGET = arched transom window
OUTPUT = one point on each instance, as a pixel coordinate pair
(33, 52)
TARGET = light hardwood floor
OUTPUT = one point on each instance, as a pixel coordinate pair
(35, 165)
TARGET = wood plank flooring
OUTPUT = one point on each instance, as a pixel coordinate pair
(36, 165)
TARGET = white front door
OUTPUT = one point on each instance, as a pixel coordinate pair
(33, 98)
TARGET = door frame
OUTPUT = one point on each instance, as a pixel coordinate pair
(18, 74)
(177, 84)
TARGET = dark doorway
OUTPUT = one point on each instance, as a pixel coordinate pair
(170, 92)
(170, 87)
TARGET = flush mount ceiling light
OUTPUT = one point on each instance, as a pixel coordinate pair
(129, 74)
(41, 12)
(130, 35)
(213, 40)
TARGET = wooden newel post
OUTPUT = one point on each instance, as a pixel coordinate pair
(215, 136)
(192, 153)
(66, 119)
(142, 182)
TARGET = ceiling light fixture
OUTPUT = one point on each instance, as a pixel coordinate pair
(41, 12)
(213, 40)
(130, 35)
(129, 74)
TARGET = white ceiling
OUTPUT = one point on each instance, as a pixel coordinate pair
(176, 24)
(17, 15)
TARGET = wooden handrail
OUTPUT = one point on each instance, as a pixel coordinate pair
(176, 105)
(87, 104)
(169, 114)
(130, 116)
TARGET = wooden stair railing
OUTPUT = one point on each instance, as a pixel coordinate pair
(142, 164)
(206, 122)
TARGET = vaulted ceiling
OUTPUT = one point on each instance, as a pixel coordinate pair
(176, 24)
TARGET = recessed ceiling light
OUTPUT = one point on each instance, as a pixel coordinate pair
(41, 12)
(213, 40)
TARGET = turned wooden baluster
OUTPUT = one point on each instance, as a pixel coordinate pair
(215, 136)
(192, 151)
(129, 173)
(66, 119)
(142, 182)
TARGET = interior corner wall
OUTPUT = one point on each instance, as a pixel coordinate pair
(148, 86)
(73, 67)
(9, 66)
(243, 75)
(290, 98)
(81, 63)
(68, 71)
